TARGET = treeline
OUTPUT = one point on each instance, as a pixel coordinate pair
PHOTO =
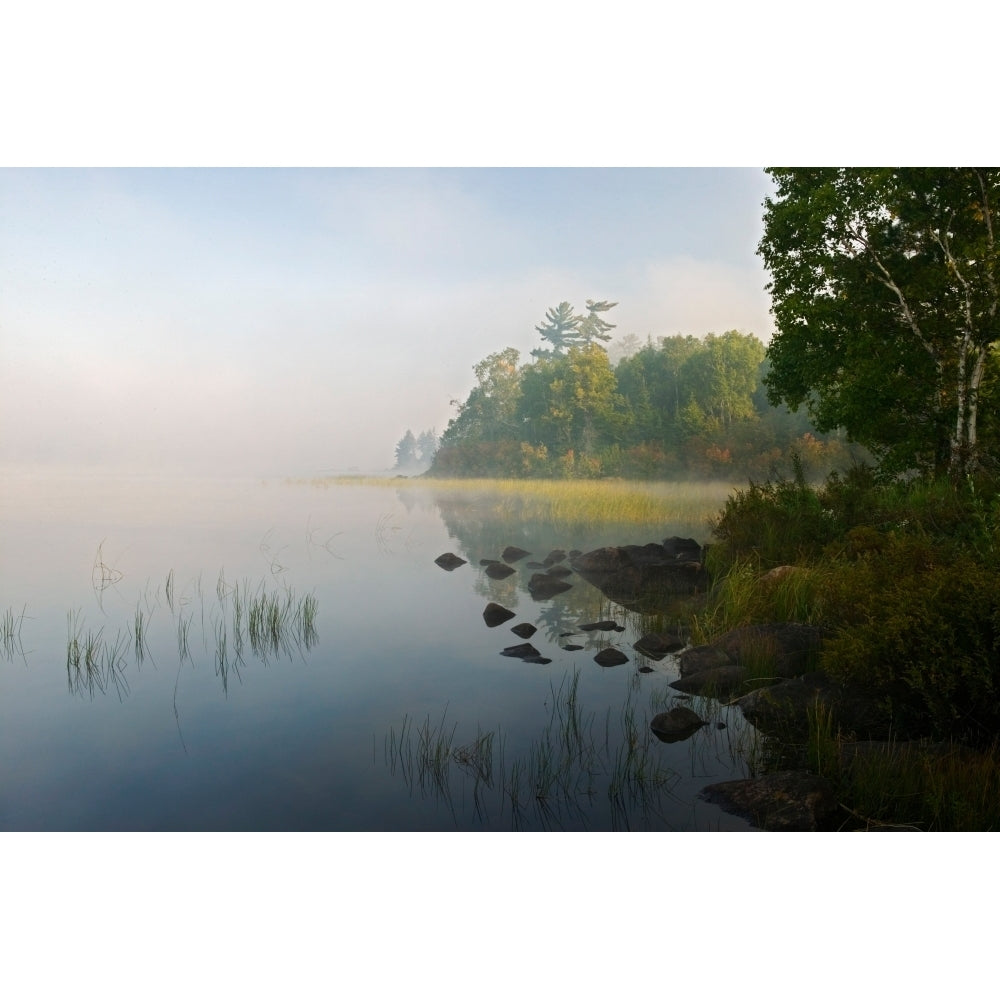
(678, 406)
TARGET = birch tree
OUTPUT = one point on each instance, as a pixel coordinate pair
(884, 287)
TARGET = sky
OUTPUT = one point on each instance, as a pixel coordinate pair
(268, 321)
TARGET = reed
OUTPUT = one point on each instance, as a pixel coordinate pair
(10, 632)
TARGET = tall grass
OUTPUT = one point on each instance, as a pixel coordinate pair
(568, 502)
(10, 633)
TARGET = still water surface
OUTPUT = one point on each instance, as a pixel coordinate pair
(140, 693)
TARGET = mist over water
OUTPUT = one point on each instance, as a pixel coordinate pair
(186, 718)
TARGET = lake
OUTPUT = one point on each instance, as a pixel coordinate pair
(264, 655)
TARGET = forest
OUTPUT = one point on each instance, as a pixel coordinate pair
(674, 407)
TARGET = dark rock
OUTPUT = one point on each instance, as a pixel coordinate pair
(496, 614)
(656, 645)
(512, 553)
(534, 564)
(536, 659)
(684, 549)
(645, 670)
(610, 657)
(524, 630)
(677, 724)
(555, 556)
(786, 800)
(498, 571)
(788, 649)
(640, 576)
(522, 651)
(573, 553)
(572, 647)
(559, 571)
(489, 562)
(449, 561)
(541, 586)
(605, 626)
(783, 709)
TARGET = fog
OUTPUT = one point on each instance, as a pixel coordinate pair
(298, 322)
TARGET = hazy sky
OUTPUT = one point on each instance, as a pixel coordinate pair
(267, 321)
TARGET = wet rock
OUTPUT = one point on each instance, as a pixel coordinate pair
(498, 571)
(645, 670)
(496, 614)
(656, 645)
(522, 651)
(610, 657)
(555, 556)
(524, 630)
(676, 724)
(489, 562)
(684, 549)
(559, 571)
(718, 682)
(534, 564)
(449, 561)
(786, 800)
(605, 626)
(541, 586)
(512, 553)
(638, 576)
(572, 647)
(536, 659)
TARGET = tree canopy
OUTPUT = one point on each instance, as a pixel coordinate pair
(563, 328)
(885, 286)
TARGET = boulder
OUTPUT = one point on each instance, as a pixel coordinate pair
(449, 561)
(524, 630)
(677, 724)
(496, 614)
(521, 651)
(785, 800)
(512, 553)
(640, 576)
(499, 570)
(656, 645)
(783, 709)
(541, 586)
(610, 657)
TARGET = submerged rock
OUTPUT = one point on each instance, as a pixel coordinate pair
(610, 657)
(522, 651)
(524, 630)
(605, 626)
(496, 614)
(677, 724)
(656, 645)
(572, 647)
(786, 800)
(449, 561)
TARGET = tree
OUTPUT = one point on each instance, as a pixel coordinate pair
(564, 329)
(427, 445)
(406, 451)
(885, 287)
(489, 412)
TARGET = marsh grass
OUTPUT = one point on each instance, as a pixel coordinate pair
(569, 503)
(558, 775)
(95, 664)
(10, 633)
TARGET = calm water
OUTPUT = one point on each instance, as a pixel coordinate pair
(139, 693)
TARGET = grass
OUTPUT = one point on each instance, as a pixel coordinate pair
(569, 502)
(10, 633)
(558, 775)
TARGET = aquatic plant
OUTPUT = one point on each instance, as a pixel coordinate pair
(10, 632)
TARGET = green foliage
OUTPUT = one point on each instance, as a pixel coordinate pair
(885, 290)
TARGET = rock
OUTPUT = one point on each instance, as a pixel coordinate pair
(536, 659)
(522, 651)
(498, 571)
(677, 724)
(783, 709)
(605, 626)
(656, 645)
(449, 561)
(559, 571)
(555, 556)
(512, 553)
(572, 647)
(641, 576)
(524, 630)
(684, 549)
(786, 800)
(541, 586)
(534, 564)
(773, 651)
(496, 614)
(610, 657)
